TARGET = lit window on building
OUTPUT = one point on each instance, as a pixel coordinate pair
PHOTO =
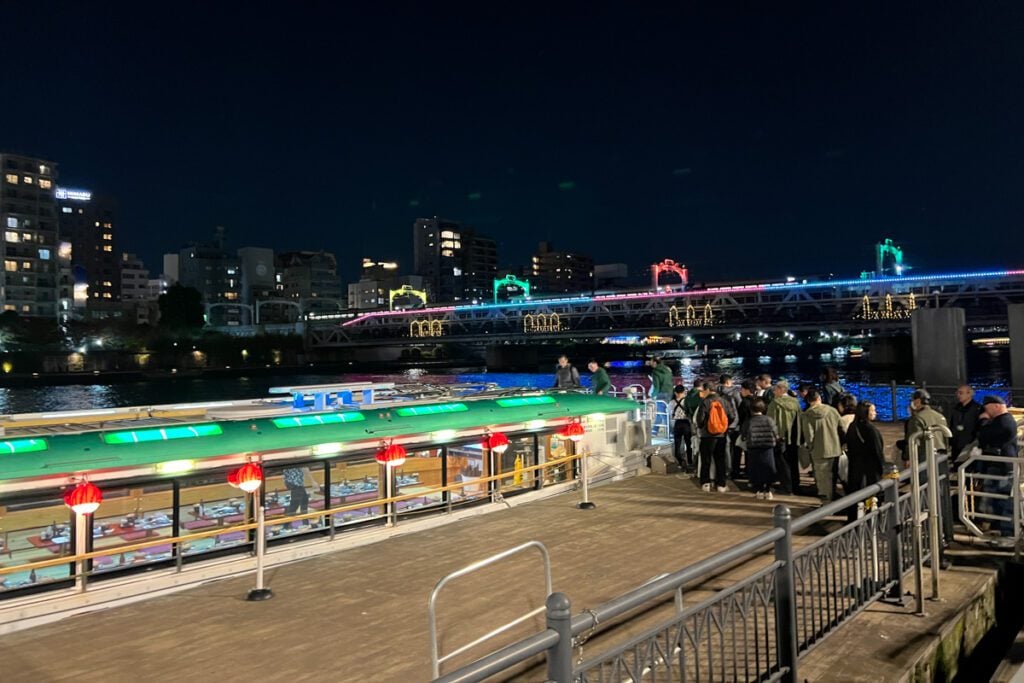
(45, 184)
(66, 209)
(12, 178)
(44, 254)
(11, 266)
(26, 179)
(25, 308)
(11, 236)
(108, 236)
(108, 248)
(26, 265)
(12, 222)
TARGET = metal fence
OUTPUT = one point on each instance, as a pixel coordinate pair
(757, 628)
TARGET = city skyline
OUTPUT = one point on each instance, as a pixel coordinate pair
(724, 140)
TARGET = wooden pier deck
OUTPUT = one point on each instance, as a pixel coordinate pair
(361, 614)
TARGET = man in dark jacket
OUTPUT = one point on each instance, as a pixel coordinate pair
(566, 376)
(599, 380)
(997, 435)
(712, 443)
(963, 419)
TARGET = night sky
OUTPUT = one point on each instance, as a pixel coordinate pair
(748, 143)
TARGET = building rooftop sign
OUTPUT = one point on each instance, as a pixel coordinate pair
(72, 194)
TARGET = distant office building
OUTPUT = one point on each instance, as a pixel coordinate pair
(457, 263)
(134, 278)
(171, 268)
(28, 213)
(556, 272)
(257, 275)
(306, 275)
(375, 294)
(138, 300)
(611, 276)
(88, 221)
(209, 268)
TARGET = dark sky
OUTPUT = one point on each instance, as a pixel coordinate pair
(746, 143)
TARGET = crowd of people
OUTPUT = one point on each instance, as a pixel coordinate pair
(767, 432)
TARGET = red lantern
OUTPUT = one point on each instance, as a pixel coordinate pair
(573, 431)
(496, 442)
(84, 499)
(248, 477)
(392, 455)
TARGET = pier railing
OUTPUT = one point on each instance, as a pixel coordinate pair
(798, 589)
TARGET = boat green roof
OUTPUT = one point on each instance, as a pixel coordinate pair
(124, 448)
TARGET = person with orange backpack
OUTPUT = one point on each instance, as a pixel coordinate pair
(713, 419)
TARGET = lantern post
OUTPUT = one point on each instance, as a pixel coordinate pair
(495, 443)
(391, 456)
(249, 478)
(575, 432)
(84, 500)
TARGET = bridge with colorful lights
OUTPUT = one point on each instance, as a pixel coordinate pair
(863, 304)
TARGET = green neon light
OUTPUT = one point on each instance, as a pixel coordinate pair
(23, 446)
(521, 401)
(416, 411)
(321, 419)
(165, 434)
(502, 284)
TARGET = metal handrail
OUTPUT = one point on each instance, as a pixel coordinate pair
(966, 492)
(588, 622)
(435, 657)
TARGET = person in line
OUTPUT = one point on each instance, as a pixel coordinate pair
(865, 450)
(997, 435)
(600, 383)
(760, 435)
(713, 419)
(785, 412)
(682, 429)
(730, 394)
(847, 408)
(566, 375)
(764, 388)
(662, 380)
(820, 428)
(697, 394)
(801, 394)
(964, 418)
(740, 467)
(831, 389)
(922, 418)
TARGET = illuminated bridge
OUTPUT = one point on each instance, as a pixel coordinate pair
(879, 303)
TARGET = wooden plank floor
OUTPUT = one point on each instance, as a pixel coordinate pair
(361, 614)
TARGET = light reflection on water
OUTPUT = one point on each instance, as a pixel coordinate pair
(857, 379)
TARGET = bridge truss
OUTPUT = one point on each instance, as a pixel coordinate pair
(842, 304)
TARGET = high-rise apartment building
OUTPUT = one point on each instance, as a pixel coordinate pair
(309, 275)
(557, 272)
(88, 221)
(28, 214)
(457, 263)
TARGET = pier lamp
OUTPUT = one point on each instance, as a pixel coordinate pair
(573, 431)
(496, 442)
(390, 455)
(84, 499)
(249, 478)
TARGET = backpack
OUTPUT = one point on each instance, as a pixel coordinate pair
(718, 420)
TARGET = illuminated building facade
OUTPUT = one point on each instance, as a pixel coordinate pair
(456, 263)
(556, 272)
(28, 214)
(308, 275)
(88, 221)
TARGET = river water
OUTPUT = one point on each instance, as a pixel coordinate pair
(988, 373)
